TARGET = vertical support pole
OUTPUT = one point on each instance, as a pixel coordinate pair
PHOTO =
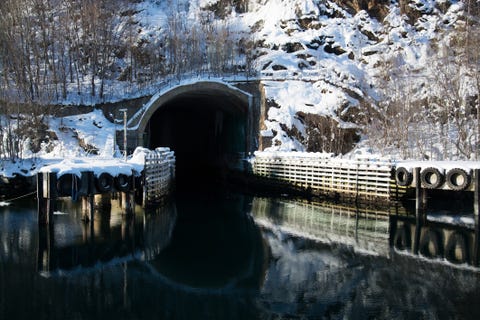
(87, 208)
(46, 194)
(476, 190)
(87, 195)
(420, 194)
(128, 198)
(476, 210)
(419, 206)
(144, 182)
(124, 131)
(45, 248)
(127, 203)
(41, 207)
(392, 221)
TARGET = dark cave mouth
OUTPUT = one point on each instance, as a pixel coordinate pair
(206, 133)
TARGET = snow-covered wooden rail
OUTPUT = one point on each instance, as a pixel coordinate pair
(360, 179)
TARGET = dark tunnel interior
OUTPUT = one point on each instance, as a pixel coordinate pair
(205, 131)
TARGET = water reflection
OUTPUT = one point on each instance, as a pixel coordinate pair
(112, 237)
(432, 237)
(362, 228)
(330, 261)
(215, 245)
(227, 256)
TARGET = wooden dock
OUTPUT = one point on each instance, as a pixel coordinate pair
(97, 182)
(361, 179)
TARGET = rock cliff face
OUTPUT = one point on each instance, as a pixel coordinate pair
(377, 9)
(332, 68)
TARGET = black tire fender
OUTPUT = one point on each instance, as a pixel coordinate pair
(403, 177)
(104, 182)
(432, 178)
(456, 249)
(458, 179)
(68, 185)
(431, 245)
(123, 182)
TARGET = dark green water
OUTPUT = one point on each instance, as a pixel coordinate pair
(224, 256)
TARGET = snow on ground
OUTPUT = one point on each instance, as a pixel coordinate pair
(325, 82)
(114, 167)
(92, 128)
(65, 155)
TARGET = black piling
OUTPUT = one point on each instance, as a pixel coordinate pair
(46, 196)
(476, 210)
(420, 202)
(87, 193)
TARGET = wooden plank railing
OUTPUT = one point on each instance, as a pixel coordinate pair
(322, 173)
(159, 175)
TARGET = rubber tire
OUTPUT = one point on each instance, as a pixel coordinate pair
(451, 179)
(123, 182)
(403, 177)
(431, 245)
(457, 240)
(402, 240)
(64, 185)
(104, 182)
(425, 178)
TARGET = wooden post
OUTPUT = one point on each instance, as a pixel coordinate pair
(419, 206)
(393, 222)
(476, 190)
(127, 203)
(420, 194)
(103, 202)
(476, 209)
(476, 243)
(40, 200)
(87, 193)
(46, 196)
(45, 248)
(87, 208)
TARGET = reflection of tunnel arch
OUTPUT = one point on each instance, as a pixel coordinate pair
(206, 123)
(213, 248)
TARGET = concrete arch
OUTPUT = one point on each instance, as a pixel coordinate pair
(208, 124)
(240, 99)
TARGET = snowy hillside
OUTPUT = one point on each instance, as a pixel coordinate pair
(394, 78)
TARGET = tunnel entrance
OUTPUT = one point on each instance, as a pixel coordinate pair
(207, 131)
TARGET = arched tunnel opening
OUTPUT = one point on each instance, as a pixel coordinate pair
(207, 132)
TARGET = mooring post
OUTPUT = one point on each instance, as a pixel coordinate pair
(419, 206)
(392, 226)
(127, 203)
(476, 210)
(128, 198)
(103, 202)
(46, 196)
(420, 194)
(87, 191)
(40, 200)
(476, 190)
(45, 248)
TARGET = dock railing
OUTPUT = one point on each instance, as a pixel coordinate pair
(321, 173)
